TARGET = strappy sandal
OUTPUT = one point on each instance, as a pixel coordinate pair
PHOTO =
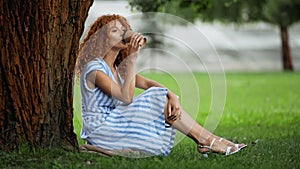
(237, 146)
(228, 150)
(205, 154)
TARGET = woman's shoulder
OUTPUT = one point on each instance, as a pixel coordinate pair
(96, 64)
(96, 61)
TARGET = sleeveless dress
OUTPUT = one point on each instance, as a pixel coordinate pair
(110, 124)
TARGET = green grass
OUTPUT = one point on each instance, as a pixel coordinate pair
(262, 110)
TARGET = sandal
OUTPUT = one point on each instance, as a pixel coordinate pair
(227, 152)
(205, 153)
(237, 146)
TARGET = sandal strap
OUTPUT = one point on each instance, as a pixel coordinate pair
(211, 143)
(202, 146)
(208, 147)
(236, 146)
(228, 150)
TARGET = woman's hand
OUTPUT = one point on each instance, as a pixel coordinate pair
(173, 107)
(134, 44)
(126, 68)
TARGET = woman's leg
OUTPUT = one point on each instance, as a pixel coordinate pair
(201, 136)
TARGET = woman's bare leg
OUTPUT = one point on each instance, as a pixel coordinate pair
(201, 136)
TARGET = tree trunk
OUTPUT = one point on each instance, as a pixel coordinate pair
(39, 40)
(286, 52)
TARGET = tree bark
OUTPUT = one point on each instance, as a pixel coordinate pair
(39, 41)
(286, 52)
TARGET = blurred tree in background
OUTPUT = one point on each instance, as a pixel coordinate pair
(282, 13)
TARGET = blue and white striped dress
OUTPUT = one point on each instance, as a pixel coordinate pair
(112, 125)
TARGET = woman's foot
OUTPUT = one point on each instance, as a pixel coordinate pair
(229, 143)
(222, 146)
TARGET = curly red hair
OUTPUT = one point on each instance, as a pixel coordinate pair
(96, 42)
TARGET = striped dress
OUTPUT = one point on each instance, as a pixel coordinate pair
(112, 125)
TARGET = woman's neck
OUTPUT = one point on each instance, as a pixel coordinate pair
(110, 57)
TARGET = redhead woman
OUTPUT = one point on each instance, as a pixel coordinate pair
(113, 120)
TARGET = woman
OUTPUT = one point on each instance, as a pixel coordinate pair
(112, 119)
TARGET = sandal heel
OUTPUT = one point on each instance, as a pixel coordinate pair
(205, 154)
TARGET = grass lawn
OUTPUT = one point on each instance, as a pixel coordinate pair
(262, 110)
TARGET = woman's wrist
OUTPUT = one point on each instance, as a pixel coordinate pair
(171, 95)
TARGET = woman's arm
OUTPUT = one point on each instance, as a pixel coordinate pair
(123, 92)
(144, 83)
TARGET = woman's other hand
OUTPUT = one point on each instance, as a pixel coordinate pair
(173, 107)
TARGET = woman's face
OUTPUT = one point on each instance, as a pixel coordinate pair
(116, 30)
